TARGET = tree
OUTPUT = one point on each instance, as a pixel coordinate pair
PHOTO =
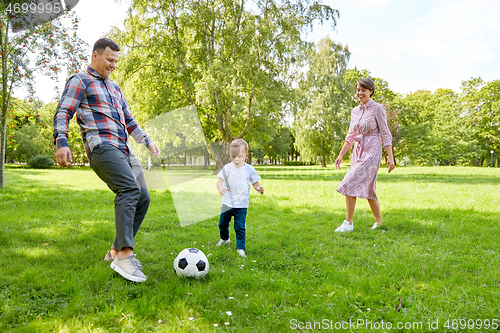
(434, 129)
(44, 49)
(322, 119)
(480, 106)
(232, 61)
(415, 119)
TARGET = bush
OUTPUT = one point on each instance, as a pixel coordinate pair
(295, 163)
(41, 162)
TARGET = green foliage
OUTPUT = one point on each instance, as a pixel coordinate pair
(298, 163)
(234, 63)
(321, 121)
(446, 128)
(54, 277)
(41, 162)
(480, 107)
(44, 49)
(29, 144)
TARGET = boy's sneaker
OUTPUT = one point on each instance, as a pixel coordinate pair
(241, 253)
(345, 227)
(375, 225)
(107, 257)
(130, 268)
(223, 242)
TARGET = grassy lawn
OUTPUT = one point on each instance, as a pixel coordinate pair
(436, 257)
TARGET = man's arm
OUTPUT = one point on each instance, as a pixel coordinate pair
(69, 103)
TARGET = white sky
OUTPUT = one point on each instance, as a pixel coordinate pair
(412, 44)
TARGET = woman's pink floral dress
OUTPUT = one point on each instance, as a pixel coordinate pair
(368, 123)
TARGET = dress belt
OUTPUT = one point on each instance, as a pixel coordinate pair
(360, 139)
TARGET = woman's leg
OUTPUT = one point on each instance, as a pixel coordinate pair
(375, 206)
(350, 203)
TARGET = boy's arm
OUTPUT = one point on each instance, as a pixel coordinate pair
(258, 187)
(220, 186)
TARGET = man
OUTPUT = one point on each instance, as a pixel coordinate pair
(105, 122)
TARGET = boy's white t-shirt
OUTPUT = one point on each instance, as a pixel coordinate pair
(238, 181)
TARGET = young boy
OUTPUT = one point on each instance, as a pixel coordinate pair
(237, 177)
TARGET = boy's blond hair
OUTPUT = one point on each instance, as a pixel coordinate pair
(239, 143)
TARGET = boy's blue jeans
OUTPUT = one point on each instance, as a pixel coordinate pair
(240, 215)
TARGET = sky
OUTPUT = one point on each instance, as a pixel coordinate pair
(412, 44)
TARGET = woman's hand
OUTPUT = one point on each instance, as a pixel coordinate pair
(338, 161)
(390, 164)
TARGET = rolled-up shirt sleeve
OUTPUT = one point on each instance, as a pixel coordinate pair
(69, 103)
(383, 128)
(351, 134)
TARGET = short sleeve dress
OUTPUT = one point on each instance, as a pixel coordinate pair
(368, 124)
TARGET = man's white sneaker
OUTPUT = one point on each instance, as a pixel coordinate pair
(130, 268)
(345, 227)
(375, 225)
(223, 242)
(241, 253)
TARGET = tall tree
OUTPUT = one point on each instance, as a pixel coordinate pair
(45, 48)
(480, 105)
(322, 119)
(232, 59)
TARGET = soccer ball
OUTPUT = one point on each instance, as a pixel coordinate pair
(191, 263)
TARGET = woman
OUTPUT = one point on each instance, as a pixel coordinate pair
(368, 123)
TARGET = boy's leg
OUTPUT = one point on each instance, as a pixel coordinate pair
(113, 167)
(240, 215)
(224, 219)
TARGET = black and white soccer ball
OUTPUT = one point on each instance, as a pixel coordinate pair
(191, 263)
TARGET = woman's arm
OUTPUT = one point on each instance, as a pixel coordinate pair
(343, 151)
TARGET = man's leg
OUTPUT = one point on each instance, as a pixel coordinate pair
(113, 167)
(144, 199)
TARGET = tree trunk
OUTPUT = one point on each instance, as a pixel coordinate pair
(3, 138)
(206, 159)
(220, 153)
(3, 110)
(323, 161)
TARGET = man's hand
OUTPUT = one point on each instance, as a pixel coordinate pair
(153, 148)
(62, 154)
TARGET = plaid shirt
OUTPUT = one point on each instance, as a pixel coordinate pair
(102, 113)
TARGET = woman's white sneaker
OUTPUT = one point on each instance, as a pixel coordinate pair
(345, 227)
(375, 226)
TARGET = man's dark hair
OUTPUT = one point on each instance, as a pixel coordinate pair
(103, 43)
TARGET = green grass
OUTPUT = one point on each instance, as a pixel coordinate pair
(437, 252)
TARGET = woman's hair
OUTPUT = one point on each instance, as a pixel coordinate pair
(366, 83)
